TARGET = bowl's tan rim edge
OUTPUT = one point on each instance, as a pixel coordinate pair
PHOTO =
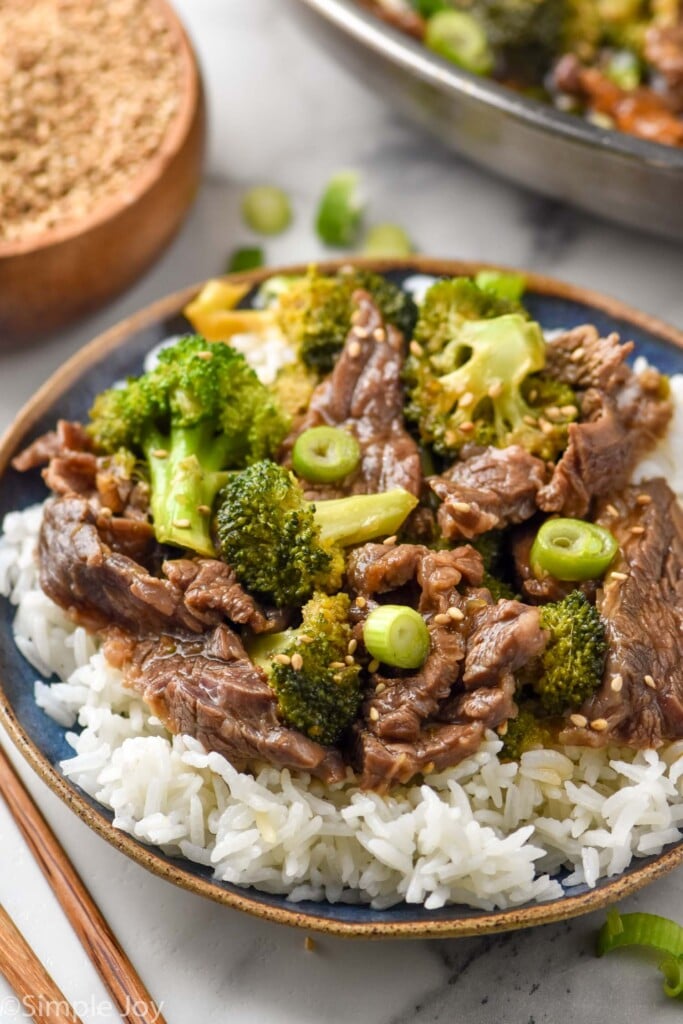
(190, 93)
(498, 921)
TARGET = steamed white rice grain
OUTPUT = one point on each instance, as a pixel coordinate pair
(484, 833)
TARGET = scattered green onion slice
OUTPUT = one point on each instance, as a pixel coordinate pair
(387, 240)
(503, 284)
(266, 210)
(460, 38)
(246, 258)
(396, 635)
(340, 210)
(651, 932)
(570, 549)
(325, 454)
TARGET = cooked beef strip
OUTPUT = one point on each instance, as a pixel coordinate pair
(488, 491)
(503, 638)
(404, 20)
(363, 394)
(438, 747)
(623, 414)
(206, 686)
(83, 569)
(68, 436)
(643, 616)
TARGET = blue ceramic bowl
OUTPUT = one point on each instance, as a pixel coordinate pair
(68, 394)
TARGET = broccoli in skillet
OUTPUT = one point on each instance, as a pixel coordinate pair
(283, 547)
(317, 691)
(475, 375)
(527, 731)
(572, 665)
(201, 412)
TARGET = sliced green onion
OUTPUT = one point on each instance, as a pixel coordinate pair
(246, 258)
(572, 550)
(266, 210)
(387, 240)
(460, 38)
(501, 283)
(396, 635)
(340, 210)
(651, 932)
(325, 454)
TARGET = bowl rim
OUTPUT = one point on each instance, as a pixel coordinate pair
(413, 56)
(485, 922)
(189, 92)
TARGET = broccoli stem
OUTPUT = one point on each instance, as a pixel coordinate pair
(363, 517)
(184, 485)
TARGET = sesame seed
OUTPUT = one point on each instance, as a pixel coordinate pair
(160, 453)
(356, 317)
(354, 349)
(282, 659)
(496, 389)
(552, 412)
(379, 334)
(362, 332)
(530, 421)
(336, 664)
(353, 644)
(337, 678)
(297, 662)
(616, 683)
(460, 506)
(580, 721)
(416, 348)
(181, 524)
(309, 944)
(577, 355)
(380, 688)
(619, 575)
(611, 510)
(637, 530)
(599, 724)
(206, 356)
(204, 509)
(502, 729)
(467, 427)
(467, 399)
(373, 715)
(442, 620)
(361, 602)
(649, 681)
(546, 428)
(455, 614)
(305, 639)
(643, 499)
(569, 410)
(373, 666)
(390, 541)
(428, 768)
(349, 659)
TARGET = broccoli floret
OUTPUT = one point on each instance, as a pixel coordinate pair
(528, 731)
(293, 387)
(518, 24)
(198, 414)
(572, 665)
(317, 691)
(314, 312)
(283, 547)
(467, 376)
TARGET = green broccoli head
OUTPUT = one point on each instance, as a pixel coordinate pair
(201, 412)
(314, 312)
(283, 547)
(468, 377)
(528, 731)
(318, 692)
(572, 665)
(519, 24)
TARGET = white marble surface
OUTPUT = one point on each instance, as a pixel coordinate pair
(280, 111)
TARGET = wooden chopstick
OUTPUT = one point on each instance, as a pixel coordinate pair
(39, 996)
(132, 999)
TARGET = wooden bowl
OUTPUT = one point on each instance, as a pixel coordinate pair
(49, 279)
(41, 740)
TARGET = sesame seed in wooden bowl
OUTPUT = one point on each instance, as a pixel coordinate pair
(101, 146)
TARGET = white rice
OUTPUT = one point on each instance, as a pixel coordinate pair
(486, 833)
